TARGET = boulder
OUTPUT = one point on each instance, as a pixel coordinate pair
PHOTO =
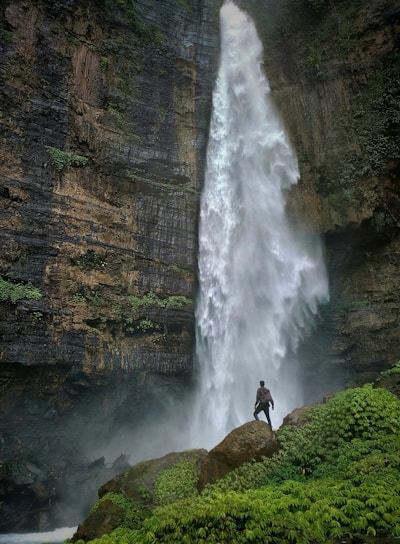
(252, 441)
(132, 493)
(298, 417)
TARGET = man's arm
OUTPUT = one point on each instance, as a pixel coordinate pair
(271, 400)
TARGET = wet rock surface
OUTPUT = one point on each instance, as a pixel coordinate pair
(44, 496)
(104, 120)
(251, 441)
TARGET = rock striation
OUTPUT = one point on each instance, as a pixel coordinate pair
(104, 120)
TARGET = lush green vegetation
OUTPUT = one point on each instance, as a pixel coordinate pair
(134, 512)
(152, 300)
(61, 160)
(178, 482)
(336, 476)
(16, 291)
(394, 370)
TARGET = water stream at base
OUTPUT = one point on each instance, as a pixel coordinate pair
(260, 279)
(58, 535)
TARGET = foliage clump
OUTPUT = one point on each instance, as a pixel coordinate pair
(394, 370)
(335, 477)
(91, 260)
(152, 300)
(177, 482)
(16, 291)
(61, 160)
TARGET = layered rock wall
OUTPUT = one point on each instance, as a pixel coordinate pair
(104, 119)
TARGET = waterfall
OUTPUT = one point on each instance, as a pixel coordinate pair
(260, 280)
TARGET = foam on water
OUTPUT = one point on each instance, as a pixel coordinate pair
(58, 535)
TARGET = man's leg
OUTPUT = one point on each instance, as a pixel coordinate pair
(266, 412)
(257, 411)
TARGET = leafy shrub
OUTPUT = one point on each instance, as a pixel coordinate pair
(179, 481)
(152, 300)
(91, 260)
(17, 291)
(394, 370)
(61, 160)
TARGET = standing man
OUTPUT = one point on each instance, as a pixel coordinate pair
(263, 399)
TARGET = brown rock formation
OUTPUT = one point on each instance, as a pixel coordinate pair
(251, 441)
(104, 110)
(297, 417)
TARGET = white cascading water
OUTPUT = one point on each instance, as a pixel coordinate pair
(260, 281)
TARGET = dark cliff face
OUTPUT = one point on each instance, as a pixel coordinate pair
(334, 71)
(104, 119)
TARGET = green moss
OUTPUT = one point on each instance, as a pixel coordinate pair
(16, 291)
(61, 160)
(152, 300)
(122, 123)
(184, 272)
(166, 186)
(104, 64)
(133, 512)
(394, 370)
(119, 499)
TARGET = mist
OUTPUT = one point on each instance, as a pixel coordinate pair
(261, 278)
